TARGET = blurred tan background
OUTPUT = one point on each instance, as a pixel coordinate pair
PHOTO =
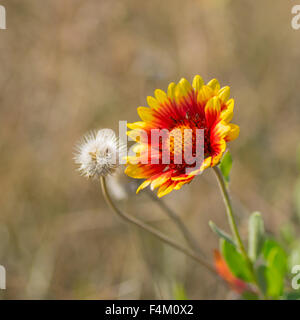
(69, 66)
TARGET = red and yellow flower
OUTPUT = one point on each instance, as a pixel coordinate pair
(184, 106)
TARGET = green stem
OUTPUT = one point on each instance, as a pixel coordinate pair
(153, 231)
(229, 211)
(231, 219)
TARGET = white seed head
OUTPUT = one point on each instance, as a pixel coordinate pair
(98, 153)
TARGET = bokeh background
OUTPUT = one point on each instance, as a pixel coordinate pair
(74, 65)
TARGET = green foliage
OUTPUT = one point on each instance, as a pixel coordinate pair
(261, 278)
(225, 166)
(256, 235)
(270, 261)
(275, 255)
(235, 261)
(274, 283)
(222, 234)
(275, 269)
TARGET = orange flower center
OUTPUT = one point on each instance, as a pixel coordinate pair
(182, 143)
(178, 140)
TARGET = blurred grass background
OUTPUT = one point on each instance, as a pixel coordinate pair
(74, 65)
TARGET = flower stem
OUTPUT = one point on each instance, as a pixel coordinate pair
(176, 219)
(231, 220)
(153, 231)
(229, 211)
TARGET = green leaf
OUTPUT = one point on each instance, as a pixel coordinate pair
(276, 268)
(222, 234)
(225, 166)
(179, 292)
(235, 261)
(256, 235)
(269, 244)
(261, 278)
(278, 260)
(275, 256)
(275, 282)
